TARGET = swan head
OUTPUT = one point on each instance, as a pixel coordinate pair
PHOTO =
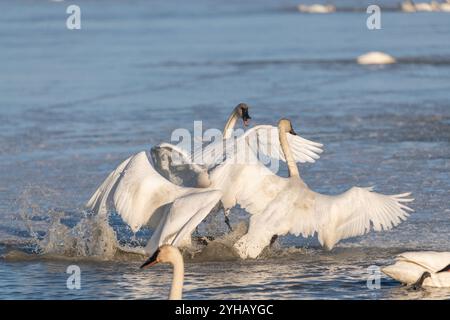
(242, 111)
(286, 126)
(165, 254)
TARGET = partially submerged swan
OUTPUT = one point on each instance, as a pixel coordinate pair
(142, 196)
(410, 6)
(171, 255)
(287, 205)
(375, 57)
(445, 7)
(423, 268)
(316, 8)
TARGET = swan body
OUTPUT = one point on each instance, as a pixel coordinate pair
(375, 57)
(142, 196)
(411, 266)
(286, 205)
(316, 8)
(170, 254)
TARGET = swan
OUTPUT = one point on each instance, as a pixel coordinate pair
(408, 6)
(286, 205)
(375, 57)
(422, 268)
(426, 7)
(170, 254)
(445, 7)
(225, 161)
(316, 8)
(142, 196)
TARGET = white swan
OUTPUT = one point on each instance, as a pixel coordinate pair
(228, 160)
(316, 8)
(427, 268)
(375, 57)
(142, 196)
(410, 6)
(427, 7)
(286, 205)
(170, 254)
(445, 7)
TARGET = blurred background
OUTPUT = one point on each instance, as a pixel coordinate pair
(75, 103)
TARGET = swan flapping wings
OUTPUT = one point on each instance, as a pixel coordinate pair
(352, 213)
(142, 196)
(334, 218)
(287, 205)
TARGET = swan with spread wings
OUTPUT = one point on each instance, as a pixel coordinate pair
(143, 197)
(287, 205)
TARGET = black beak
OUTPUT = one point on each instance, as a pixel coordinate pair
(150, 261)
(292, 132)
(245, 117)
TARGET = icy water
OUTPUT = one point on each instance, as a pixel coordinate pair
(74, 104)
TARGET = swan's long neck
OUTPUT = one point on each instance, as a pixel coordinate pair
(229, 126)
(292, 166)
(176, 290)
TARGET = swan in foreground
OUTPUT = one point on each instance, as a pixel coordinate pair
(286, 205)
(316, 8)
(143, 197)
(423, 268)
(375, 57)
(170, 254)
(227, 161)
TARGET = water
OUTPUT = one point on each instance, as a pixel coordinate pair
(73, 104)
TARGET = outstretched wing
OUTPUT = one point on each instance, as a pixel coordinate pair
(137, 191)
(174, 164)
(356, 211)
(264, 141)
(99, 200)
(184, 215)
(334, 218)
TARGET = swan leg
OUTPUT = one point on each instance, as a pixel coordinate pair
(227, 220)
(419, 282)
(274, 238)
(204, 240)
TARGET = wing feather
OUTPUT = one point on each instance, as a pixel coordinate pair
(99, 200)
(356, 212)
(137, 191)
(184, 215)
